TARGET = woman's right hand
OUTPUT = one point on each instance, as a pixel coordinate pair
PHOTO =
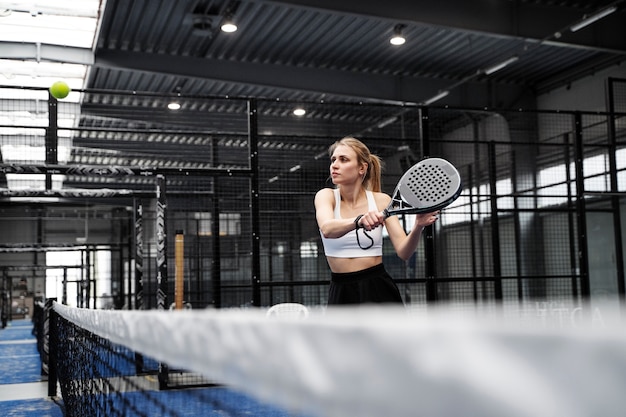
(371, 220)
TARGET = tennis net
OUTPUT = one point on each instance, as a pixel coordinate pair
(344, 362)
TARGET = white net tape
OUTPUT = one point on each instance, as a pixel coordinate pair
(385, 361)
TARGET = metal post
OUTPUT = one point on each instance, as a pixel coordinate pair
(161, 258)
(615, 199)
(253, 138)
(581, 217)
(52, 137)
(161, 255)
(138, 214)
(495, 225)
(216, 271)
(428, 237)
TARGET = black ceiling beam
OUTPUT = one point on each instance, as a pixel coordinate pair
(499, 18)
(342, 83)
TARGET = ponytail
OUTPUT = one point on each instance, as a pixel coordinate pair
(374, 170)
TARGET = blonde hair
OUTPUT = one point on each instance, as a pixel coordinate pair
(371, 180)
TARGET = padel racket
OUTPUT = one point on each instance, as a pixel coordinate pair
(429, 185)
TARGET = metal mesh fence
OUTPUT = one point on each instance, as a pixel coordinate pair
(239, 177)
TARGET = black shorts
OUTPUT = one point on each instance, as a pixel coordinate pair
(371, 285)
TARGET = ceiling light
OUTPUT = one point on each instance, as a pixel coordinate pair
(436, 97)
(587, 20)
(299, 112)
(398, 38)
(173, 106)
(228, 26)
(35, 199)
(499, 66)
(386, 122)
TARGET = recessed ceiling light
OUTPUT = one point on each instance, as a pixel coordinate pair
(299, 112)
(398, 38)
(173, 106)
(587, 20)
(228, 26)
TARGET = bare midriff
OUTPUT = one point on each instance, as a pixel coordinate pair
(343, 265)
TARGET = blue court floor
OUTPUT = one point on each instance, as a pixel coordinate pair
(23, 389)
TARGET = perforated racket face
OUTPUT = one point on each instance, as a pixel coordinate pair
(430, 183)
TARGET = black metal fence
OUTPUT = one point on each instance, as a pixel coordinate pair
(539, 217)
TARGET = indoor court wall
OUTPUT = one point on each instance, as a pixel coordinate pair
(239, 176)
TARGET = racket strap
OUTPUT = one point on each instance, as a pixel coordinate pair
(358, 241)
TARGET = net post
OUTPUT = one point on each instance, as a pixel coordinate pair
(51, 341)
(5, 302)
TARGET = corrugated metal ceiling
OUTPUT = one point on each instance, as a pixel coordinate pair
(293, 49)
(305, 50)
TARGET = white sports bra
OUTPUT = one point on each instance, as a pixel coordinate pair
(347, 245)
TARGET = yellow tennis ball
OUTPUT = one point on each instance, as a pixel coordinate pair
(59, 89)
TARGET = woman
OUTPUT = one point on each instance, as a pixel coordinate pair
(350, 220)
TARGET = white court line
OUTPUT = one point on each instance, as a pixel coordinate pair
(27, 391)
(17, 342)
